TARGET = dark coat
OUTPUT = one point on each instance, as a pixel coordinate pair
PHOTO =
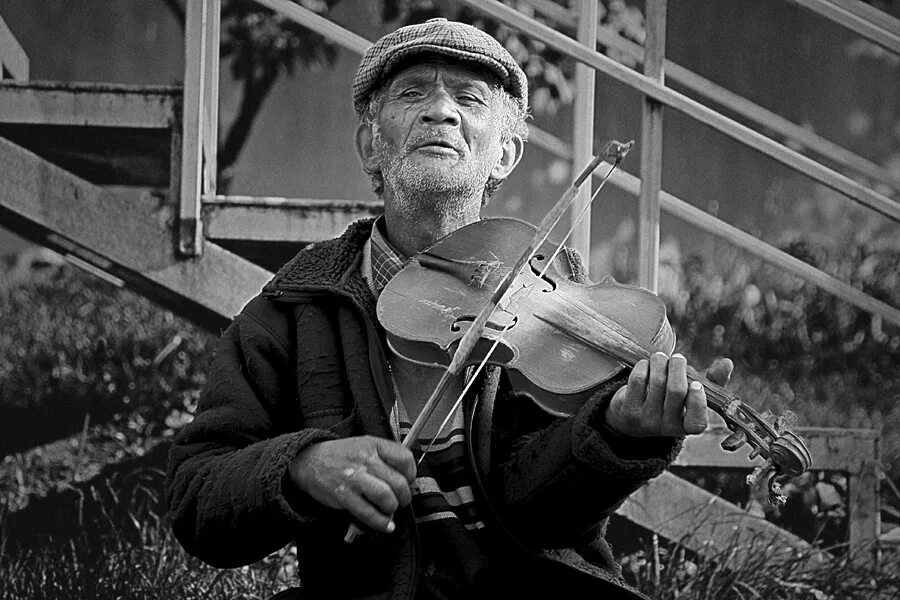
(305, 362)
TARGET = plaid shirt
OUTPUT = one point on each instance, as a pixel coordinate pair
(385, 260)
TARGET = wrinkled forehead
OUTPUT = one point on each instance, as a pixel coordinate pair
(452, 72)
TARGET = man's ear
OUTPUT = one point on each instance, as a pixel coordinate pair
(366, 149)
(511, 154)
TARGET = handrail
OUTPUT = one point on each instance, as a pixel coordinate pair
(713, 225)
(730, 100)
(319, 24)
(13, 59)
(668, 202)
(854, 21)
(689, 107)
(864, 11)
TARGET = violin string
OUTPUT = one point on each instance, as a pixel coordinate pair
(614, 150)
(499, 338)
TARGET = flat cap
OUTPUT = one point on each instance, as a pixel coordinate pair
(442, 37)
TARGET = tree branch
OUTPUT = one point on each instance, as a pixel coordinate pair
(254, 93)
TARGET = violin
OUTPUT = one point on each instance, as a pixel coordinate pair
(454, 304)
(558, 340)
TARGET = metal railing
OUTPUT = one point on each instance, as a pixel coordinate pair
(652, 199)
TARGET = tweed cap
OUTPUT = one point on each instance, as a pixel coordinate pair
(442, 37)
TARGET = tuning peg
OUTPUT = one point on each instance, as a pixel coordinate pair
(734, 441)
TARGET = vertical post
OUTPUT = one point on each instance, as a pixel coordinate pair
(201, 52)
(651, 148)
(864, 505)
(210, 105)
(583, 129)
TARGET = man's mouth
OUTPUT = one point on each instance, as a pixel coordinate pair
(438, 147)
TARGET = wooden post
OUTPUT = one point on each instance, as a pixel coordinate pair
(210, 107)
(583, 131)
(651, 149)
(851, 451)
(201, 66)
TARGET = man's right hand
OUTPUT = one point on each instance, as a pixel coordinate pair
(368, 476)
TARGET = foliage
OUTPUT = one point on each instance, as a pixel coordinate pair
(76, 522)
(73, 347)
(796, 346)
(672, 572)
(127, 550)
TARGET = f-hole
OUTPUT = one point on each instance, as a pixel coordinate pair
(498, 327)
(536, 268)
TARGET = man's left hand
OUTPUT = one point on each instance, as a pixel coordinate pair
(657, 400)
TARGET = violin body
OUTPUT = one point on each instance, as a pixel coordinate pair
(427, 307)
(558, 340)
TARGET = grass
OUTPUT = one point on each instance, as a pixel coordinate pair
(679, 574)
(94, 381)
(109, 563)
(98, 528)
(105, 534)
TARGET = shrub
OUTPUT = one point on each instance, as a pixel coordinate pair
(72, 345)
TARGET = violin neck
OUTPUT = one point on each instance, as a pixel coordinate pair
(718, 397)
(604, 334)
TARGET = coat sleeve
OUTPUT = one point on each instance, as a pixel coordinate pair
(224, 484)
(557, 484)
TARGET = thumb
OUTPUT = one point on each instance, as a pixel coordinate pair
(720, 371)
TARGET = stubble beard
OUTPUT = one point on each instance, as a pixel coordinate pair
(446, 193)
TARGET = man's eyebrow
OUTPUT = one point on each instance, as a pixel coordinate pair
(454, 80)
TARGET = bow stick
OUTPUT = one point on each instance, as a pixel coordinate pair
(519, 299)
(613, 151)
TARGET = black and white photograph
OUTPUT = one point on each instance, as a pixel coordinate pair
(450, 299)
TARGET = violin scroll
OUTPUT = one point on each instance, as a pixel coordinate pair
(614, 151)
(785, 455)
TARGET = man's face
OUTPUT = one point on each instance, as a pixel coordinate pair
(438, 134)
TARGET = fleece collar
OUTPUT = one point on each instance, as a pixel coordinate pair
(328, 266)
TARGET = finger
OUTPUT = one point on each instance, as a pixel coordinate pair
(676, 394)
(378, 492)
(397, 456)
(720, 371)
(363, 510)
(695, 414)
(395, 480)
(631, 403)
(656, 390)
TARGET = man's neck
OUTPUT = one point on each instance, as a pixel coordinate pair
(410, 233)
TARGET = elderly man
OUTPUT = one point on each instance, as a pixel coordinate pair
(299, 428)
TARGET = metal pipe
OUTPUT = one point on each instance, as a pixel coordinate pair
(691, 108)
(651, 150)
(855, 22)
(771, 121)
(583, 129)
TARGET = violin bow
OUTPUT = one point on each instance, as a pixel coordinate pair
(613, 152)
(519, 299)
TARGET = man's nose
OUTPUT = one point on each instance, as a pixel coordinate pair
(440, 110)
